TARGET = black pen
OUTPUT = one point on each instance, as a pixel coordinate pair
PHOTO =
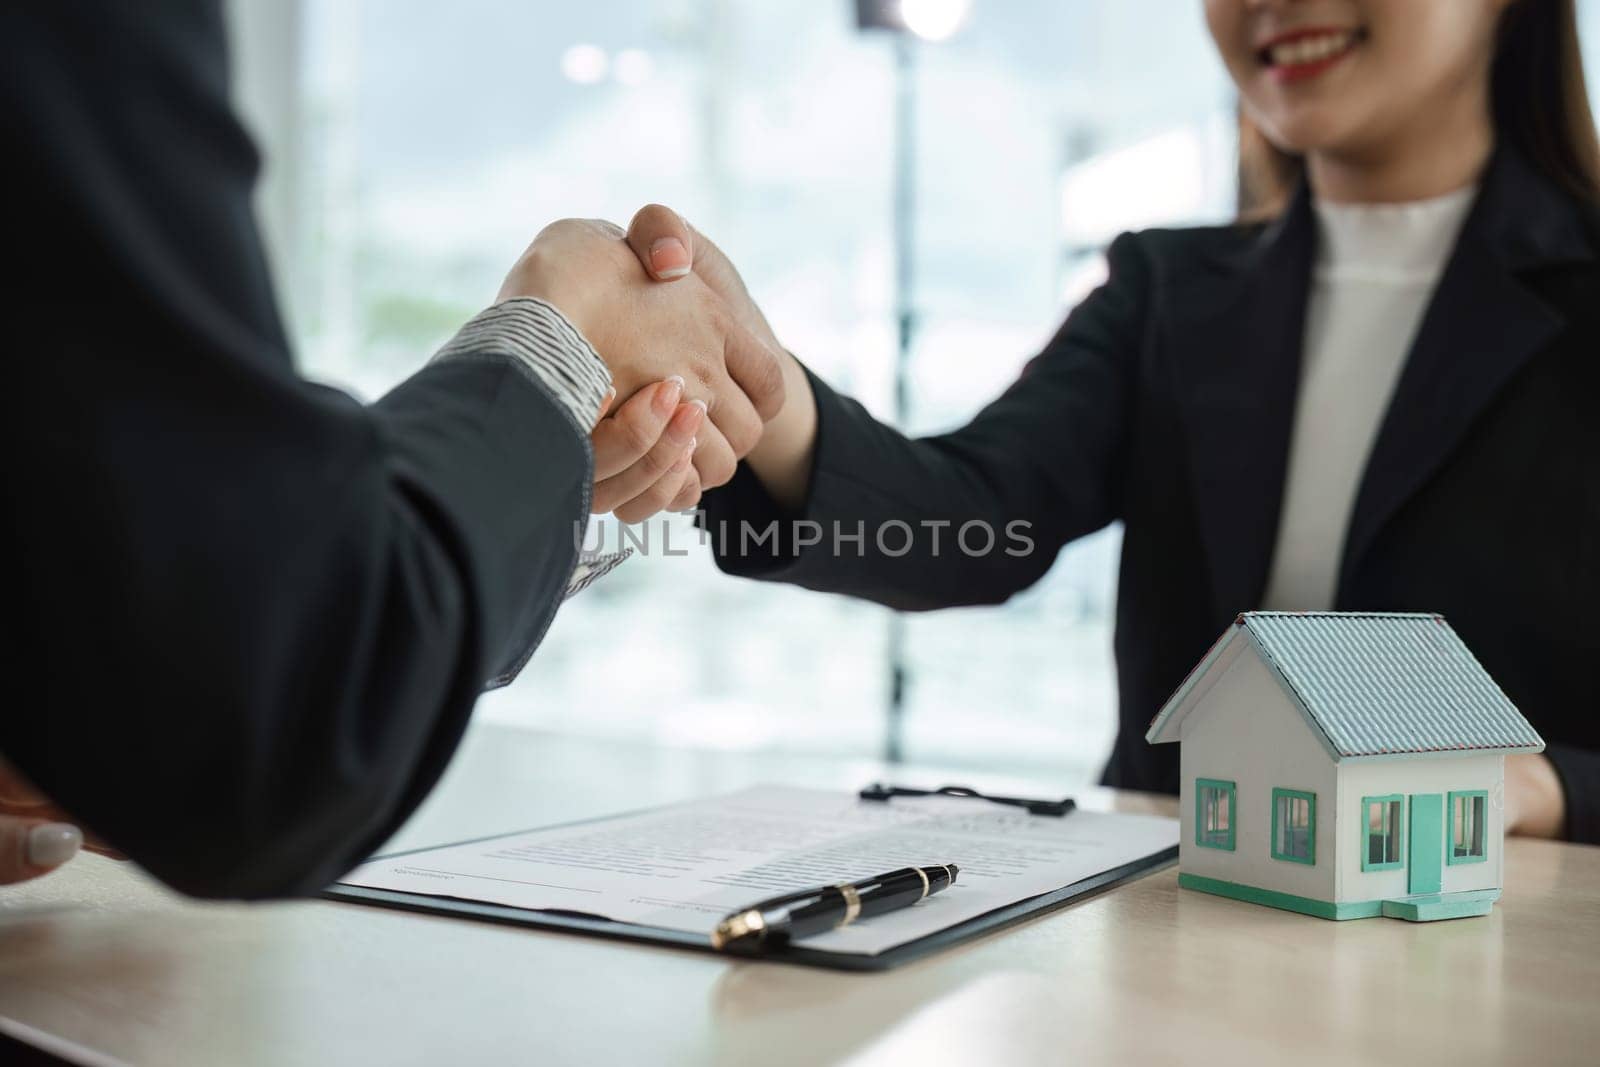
(814, 911)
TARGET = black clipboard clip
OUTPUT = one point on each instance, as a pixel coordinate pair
(880, 792)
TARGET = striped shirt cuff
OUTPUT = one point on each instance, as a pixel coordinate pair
(541, 341)
(592, 566)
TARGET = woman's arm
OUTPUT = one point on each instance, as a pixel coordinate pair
(1556, 794)
(833, 500)
(782, 459)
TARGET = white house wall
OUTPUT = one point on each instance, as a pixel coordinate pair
(1440, 774)
(1248, 731)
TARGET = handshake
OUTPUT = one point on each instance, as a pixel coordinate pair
(696, 371)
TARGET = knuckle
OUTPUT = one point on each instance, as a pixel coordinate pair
(654, 217)
(771, 389)
(648, 502)
(707, 372)
(717, 470)
(639, 436)
(556, 227)
(689, 495)
(653, 465)
(742, 436)
(660, 494)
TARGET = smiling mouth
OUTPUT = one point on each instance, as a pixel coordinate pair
(1303, 54)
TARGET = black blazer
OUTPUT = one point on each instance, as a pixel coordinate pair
(1166, 402)
(246, 617)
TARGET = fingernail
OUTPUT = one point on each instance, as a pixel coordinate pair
(666, 399)
(701, 404)
(686, 421)
(668, 258)
(53, 844)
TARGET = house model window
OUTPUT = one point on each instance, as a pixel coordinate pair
(1213, 816)
(1381, 845)
(1467, 827)
(1294, 819)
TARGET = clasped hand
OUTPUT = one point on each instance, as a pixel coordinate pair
(693, 383)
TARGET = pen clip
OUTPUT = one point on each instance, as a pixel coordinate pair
(880, 792)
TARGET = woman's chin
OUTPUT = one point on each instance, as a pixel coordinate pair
(1307, 130)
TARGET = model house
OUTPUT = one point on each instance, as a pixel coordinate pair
(1344, 766)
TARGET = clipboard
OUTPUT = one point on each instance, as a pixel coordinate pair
(561, 921)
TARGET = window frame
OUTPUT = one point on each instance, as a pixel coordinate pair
(1280, 793)
(1232, 790)
(1367, 834)
(1450, 857)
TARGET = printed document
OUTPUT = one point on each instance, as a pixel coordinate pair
(687, 866)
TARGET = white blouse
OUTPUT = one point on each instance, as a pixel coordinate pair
(1375, 271)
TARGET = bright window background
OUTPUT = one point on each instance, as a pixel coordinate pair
(414, 148)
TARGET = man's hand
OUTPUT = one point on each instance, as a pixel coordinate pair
(648, 333)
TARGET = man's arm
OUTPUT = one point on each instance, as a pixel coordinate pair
(255, 613)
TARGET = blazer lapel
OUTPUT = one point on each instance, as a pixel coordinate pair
(1236, 333)
(1481, 327)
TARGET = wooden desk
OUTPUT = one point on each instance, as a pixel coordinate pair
(99, 956)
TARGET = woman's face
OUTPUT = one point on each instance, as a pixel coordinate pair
(1347, 76)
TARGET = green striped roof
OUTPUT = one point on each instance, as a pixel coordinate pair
(1378, 684)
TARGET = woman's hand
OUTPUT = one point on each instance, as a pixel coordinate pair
(670, 249)
(643, 454)
(35, 836)
(1535, 803)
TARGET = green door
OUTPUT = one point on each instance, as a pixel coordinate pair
(1427, 843)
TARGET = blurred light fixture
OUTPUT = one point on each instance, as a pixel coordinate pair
(934, 20)
(585, 64)
(633, 66)
(931, 20)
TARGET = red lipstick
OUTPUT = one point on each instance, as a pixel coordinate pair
(1301, 54)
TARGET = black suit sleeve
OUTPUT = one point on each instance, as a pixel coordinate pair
(969, 517)
(1579, 771)
(255, 613)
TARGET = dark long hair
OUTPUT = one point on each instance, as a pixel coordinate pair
(1538, 97)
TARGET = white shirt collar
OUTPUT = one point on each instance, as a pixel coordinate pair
(1403, 242)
